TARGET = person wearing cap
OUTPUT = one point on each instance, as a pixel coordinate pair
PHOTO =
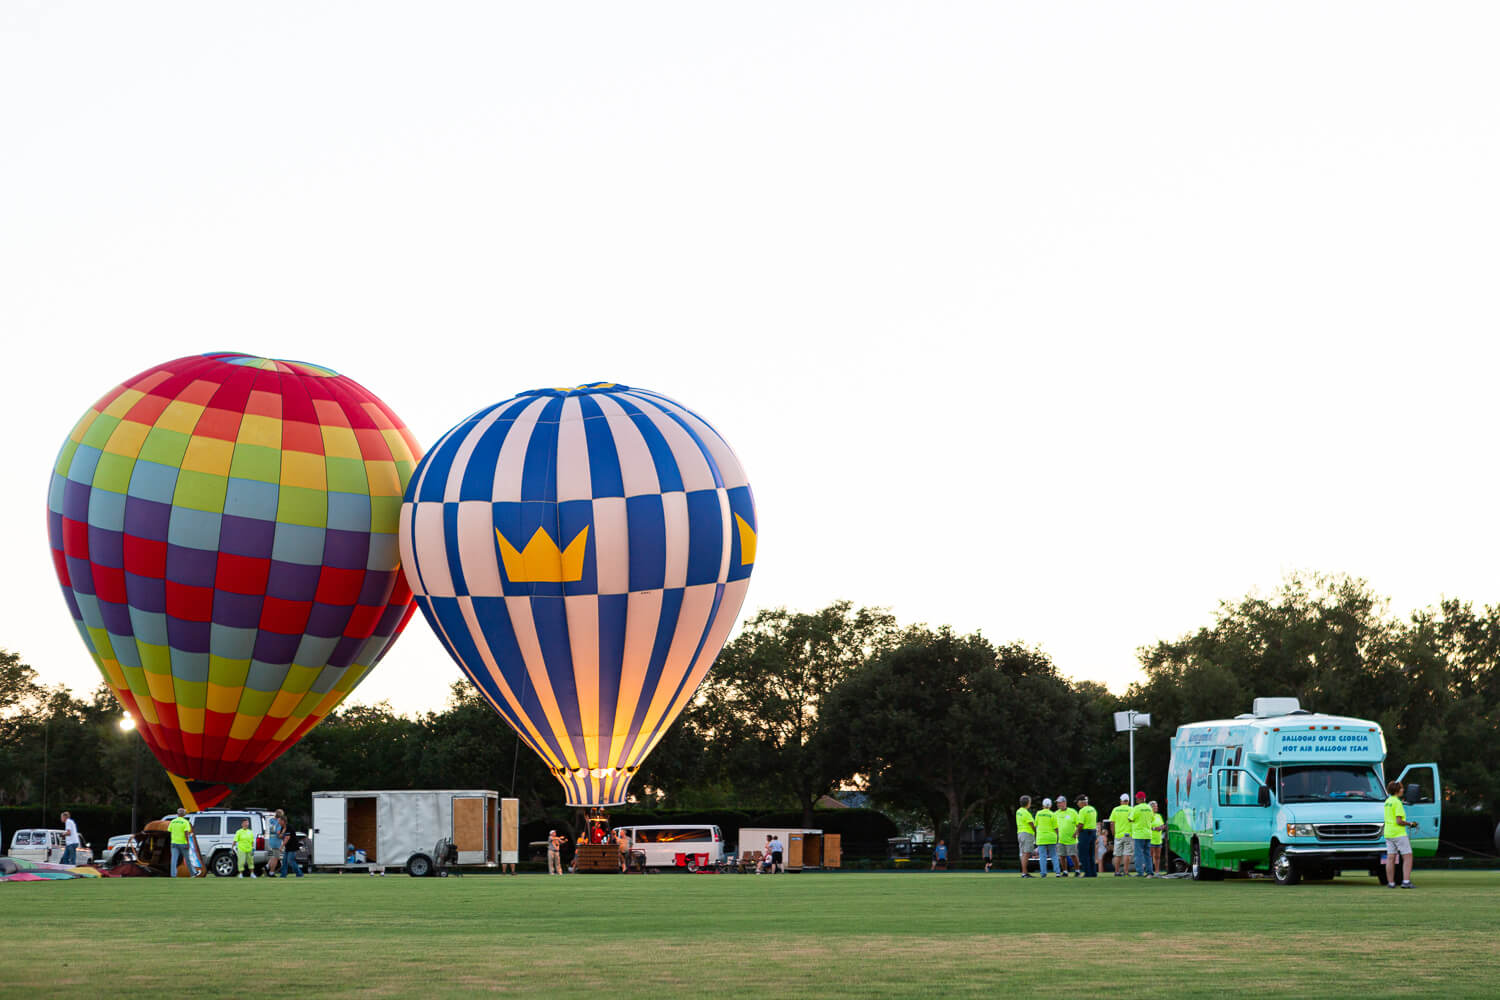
(1158, 834)
(1088, 832)
(1067, 837)
(177, 833)
(1046, 837)
(1119, 822)
(1026, 833)
(1140, 835)
(554, 853)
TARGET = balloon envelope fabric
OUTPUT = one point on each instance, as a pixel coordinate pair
(583, 554)
(223, 527)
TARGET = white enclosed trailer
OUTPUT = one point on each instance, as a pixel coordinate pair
(800, 848)
(400, 829)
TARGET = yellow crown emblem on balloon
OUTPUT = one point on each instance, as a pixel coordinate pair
(541, 561)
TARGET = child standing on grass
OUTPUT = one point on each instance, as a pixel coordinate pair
(1396, 839)
(244, 849)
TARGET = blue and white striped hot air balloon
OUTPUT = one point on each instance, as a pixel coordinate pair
(583, 554)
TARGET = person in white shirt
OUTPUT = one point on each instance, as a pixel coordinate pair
(71, 840)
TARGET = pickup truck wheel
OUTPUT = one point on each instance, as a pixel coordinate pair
(419, 866)
(1283, 868)
(222, 864)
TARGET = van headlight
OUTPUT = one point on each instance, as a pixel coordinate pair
(1300, 830)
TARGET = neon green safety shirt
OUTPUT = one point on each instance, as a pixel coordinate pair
(1067, 826)
(244, 840)
(1088, 818)
(1025, 822)
(1156, 835)
(1140, 822)
(1119, 818)
(1394, 811)
(179, 828)
(1046, 827)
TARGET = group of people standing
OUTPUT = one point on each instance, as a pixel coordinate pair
(1075, 841)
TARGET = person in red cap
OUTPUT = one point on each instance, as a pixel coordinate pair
(1141, 816)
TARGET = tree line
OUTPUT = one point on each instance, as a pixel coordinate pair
(936, 728)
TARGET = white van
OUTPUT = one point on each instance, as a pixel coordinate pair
(690, 846)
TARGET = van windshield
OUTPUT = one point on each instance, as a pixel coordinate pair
(1329, 784)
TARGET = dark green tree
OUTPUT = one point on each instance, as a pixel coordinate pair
(762, 702)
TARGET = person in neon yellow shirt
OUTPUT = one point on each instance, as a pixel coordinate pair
(1026, 833)
(177, 832)
(1067, 836)
(1119, 821)
(1158, 833)
(1088, 832)
(1396, 839)
(244, 849)
(1140, 835)
(1046, 837)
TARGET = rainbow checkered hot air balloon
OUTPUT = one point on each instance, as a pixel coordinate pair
(224, 529)
(583, 554)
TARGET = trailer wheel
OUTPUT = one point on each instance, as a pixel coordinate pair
(222, 864)
(1283, 868)
(419, 866)
(692, 866)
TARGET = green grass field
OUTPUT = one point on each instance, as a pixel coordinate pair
(815, 935)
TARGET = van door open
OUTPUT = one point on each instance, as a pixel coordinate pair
(1242, 817)
(1422, 796)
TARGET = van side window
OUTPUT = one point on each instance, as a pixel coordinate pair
(1237, 789)
(645, 837)
(674, 836)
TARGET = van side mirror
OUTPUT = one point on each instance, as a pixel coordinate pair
(1413, 794)
(1263, 797)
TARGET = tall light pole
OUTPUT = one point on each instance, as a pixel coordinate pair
(1129, 721)
(127, 725)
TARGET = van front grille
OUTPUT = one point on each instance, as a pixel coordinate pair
(1348, 831)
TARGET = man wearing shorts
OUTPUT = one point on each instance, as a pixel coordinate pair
(1119, 820)
(1396, 840)
(1067, 837)
(1025, 832)
(275, 830)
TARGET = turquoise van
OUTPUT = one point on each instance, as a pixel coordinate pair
(1292, 792)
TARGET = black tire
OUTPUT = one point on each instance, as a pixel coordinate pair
(222, 864)
(1199, 872)
(692, 867)
(1283, 869)
(419, 866)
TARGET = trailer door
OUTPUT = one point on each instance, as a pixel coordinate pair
(470, 829)
(833, 850)
(328, 831)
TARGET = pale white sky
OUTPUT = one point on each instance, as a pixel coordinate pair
(1058, 320)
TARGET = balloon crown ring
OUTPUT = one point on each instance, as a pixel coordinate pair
(589, 389)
